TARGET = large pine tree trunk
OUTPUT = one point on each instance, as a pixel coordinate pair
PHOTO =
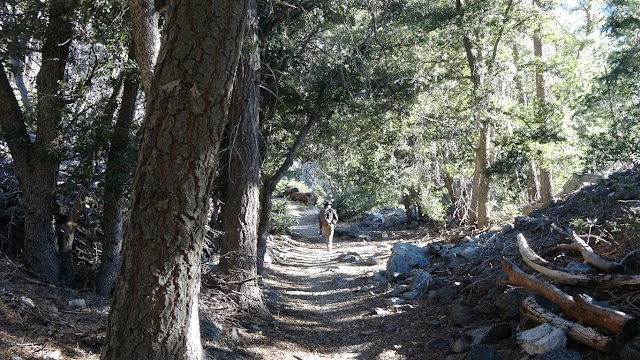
(154, 312)
(238, 252)
(117, 174)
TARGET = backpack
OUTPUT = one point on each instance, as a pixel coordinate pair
(328, 217)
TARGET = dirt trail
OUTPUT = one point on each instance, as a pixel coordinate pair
(323, 304)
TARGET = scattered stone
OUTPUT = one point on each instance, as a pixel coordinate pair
(372, 260)
(435, 324)
(420, 282)
(349, 257)
(399, 290)
(26, 301)
(102, 309)
(393, 301)
(368, 332)
(320, 335)
(491, 334)
(542, 339)
(256, 328)
(364, 237)
(460, 346)
(508, 303)
(77, 303)
(410, 295)
(578, 268)
(563, 354)
(341, 284)
(437, 344)
(387, 327)
(385, 235)
(378, 311)
(483, 352)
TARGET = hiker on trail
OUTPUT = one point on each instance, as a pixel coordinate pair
(327, 220)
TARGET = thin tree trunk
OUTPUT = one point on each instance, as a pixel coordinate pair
(238, 253)
(154, 314)
(480, 195)
(546, 188)
(117, 174)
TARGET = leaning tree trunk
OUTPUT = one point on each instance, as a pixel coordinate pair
(238, 252)
(37, 162)
(154, 314)
(116, 178)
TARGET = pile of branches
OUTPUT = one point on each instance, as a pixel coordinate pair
(583, 315)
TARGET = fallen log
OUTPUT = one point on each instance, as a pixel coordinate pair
(577, 332)
(588, 255)
(542, 266)
(580, 309)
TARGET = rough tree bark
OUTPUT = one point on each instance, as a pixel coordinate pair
(154, 314)
(238, 251)
(116, 174)
(37, 162)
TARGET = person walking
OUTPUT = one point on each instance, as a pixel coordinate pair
(327, 219)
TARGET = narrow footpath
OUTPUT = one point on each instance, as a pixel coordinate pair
(327, 306)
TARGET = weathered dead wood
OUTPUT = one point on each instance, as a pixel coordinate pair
(612, 320)
(577, 332)
(588, 255)
(542, 266)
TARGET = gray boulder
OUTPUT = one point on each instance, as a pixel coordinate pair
(542, 339)
(420, 281)
(405, 257)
